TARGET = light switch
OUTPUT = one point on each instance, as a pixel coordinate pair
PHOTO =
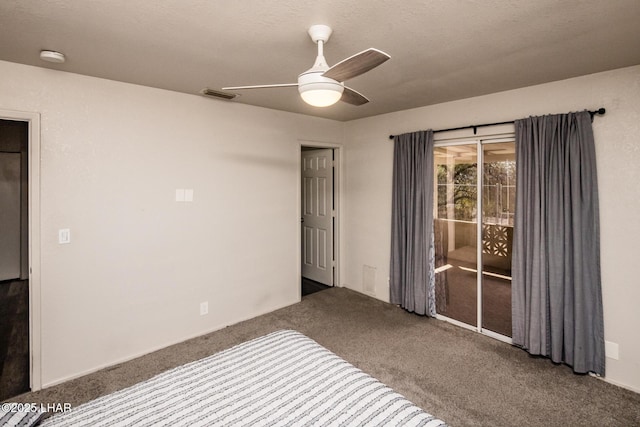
(180, 195)
(188, 195)
(64, 236)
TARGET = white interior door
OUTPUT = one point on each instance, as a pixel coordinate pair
(9, 216)
(317, 215)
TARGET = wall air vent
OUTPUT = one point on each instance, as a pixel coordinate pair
(218, 94)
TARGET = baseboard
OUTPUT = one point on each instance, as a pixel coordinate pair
(616, 383)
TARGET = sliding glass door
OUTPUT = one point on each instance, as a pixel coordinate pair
(455, 232)
(473, 233)
(498, 206)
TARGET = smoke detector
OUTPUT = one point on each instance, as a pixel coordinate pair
(52, 56)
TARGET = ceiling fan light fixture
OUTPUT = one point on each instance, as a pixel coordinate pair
(321, 94)
(321, 97)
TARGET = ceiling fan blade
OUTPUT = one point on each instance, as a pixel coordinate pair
(357, 64)
(260, 86)
(353, 97)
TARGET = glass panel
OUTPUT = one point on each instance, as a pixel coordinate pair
(498, 206)
(455, 228)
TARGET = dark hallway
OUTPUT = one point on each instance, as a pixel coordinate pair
(14, 258)
(311, 286)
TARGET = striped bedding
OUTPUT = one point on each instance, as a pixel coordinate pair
(280, 379)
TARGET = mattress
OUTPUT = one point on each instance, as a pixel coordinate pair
(280, 379)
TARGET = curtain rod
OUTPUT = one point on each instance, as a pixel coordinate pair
(600, 111)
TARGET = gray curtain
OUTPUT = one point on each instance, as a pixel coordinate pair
(412, 276)
(556, 290)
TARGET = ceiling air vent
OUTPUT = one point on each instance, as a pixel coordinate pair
(218, 94)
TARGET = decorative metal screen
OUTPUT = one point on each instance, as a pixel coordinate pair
(497, 240)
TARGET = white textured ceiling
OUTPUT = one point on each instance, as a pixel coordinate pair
(441, 50)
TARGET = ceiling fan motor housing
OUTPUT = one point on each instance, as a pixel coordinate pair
(312, 80)
(320, 33)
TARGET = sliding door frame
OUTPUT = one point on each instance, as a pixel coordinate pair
(480, 142)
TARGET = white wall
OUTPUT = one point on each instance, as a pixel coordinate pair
(369, 153)
(139, 263)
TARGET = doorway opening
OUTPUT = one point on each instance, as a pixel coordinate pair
(474, 204)
(14, 259)
(319, 207)
(19, 253)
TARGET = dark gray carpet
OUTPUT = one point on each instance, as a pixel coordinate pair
(455, 374)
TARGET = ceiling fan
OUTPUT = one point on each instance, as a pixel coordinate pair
(321, 85)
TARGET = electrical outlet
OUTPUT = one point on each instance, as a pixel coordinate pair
(64, 236)
(204, 308)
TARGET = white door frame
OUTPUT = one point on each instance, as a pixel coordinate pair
(338, 192)
(318, 215)
(33, 122)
